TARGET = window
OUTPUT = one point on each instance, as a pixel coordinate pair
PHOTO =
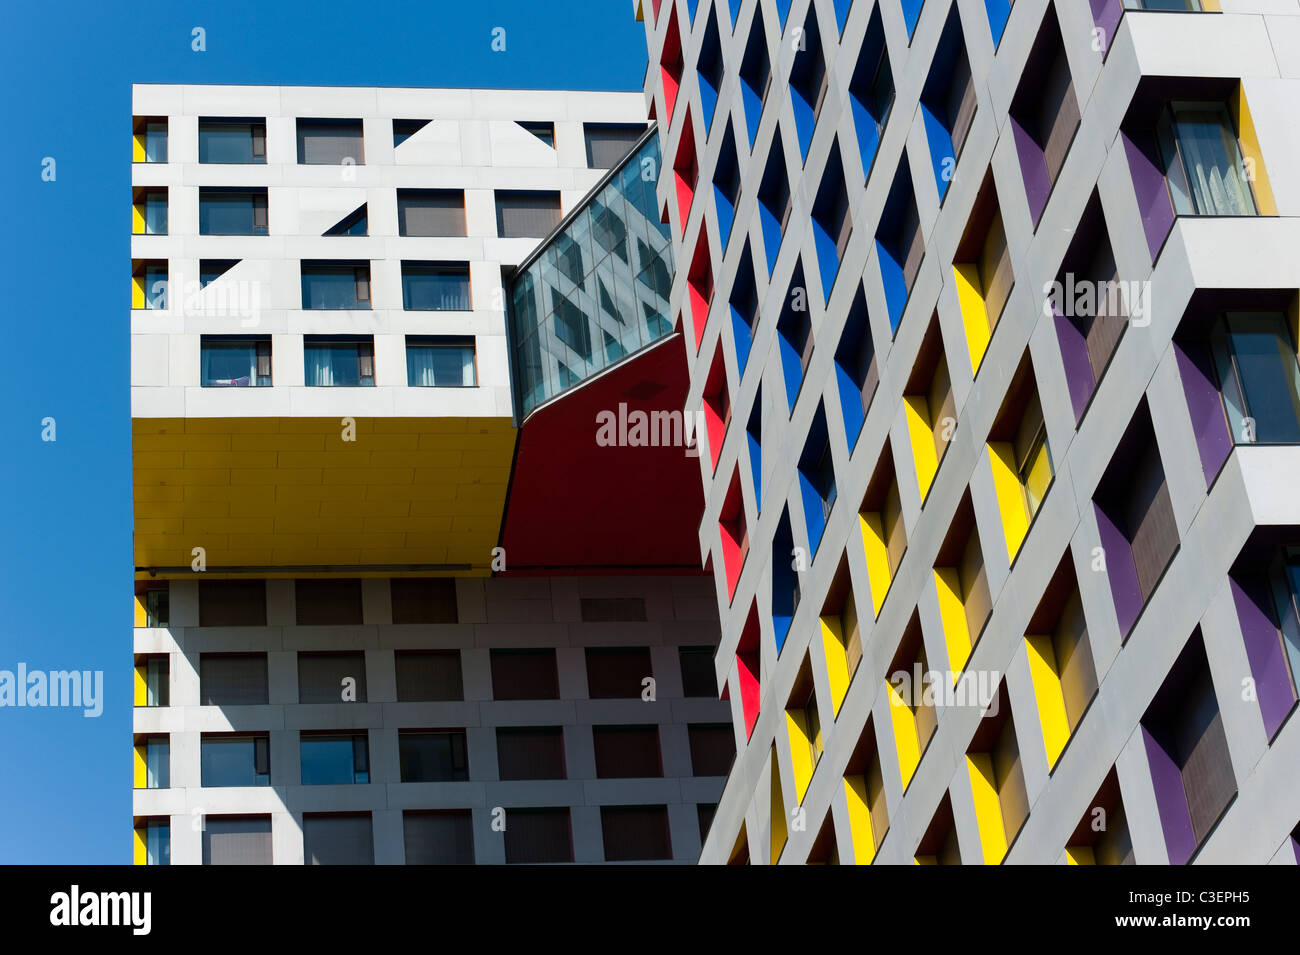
(670, 66)
(1190, 6)
(149, 135)
(832, 224)
(1020, 457)
(153, 762)
(149, 284)
(153, 680)
(965, 602)
(930, 408)
(635, 833)
(149, 212)
(734, 534)
(153, 842)
(713, 747)
(817, 479)
(856, 372)
(404, 129)
(627, 752)
(1259, 377)
(774, 203)
(327, 602)
(1264, 591)
(617, 672)
(612, 609)
(726, 191)
(884, 537)
(232, 603)
(232, 140)
(423, 599)
(428, 675)
(545, 131)
(337, 839)
(435, 286)
(864, 789)
(232, 679)
(913, 716)
(698, 678)
(608, 143)
(1060, 660)
(794, 336)
(236, 840)
(225, 211)
(331, 677)
(355, 222)
(535, 836)
(212, 269)
(431, 212)
(997, 781)
(808, 83)
(157, 606)
(235, 760)
(804, 726)
(871, 91)
(948, 103)
(1044, 116)
(785, 580)
(334, 758)
(1110, 846)
(982, 272)
(532, 752)
(330, 142)
(1203, 161)
(525, 674)
(1187, 751)
(438, 838)
(841, 634)
(335, 285)
(708, 68)
(526, 214)
(342, 362)
(235, 362)
(433, 756)
(899, 245)
(755, 76)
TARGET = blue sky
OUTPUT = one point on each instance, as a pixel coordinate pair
(66, 578)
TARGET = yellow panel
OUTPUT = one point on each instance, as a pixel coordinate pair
(137, 148)
(1011, 498)
(141, 685)
(952, 611)
(141, 768)
(925, 860)
(137, 291)
(137, 219)
(1079, 855)
(905, 738)
(141, 611)
(988, 810)
(1211, 6)
(778, 834)
(864, 842)
(974, 314)
(140, 855)
(1049, 696)
(920, 435)
(800, 751)
(878, 576)
(837, 661)
(1250, 150)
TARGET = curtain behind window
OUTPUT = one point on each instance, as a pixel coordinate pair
(438, 838)
(439, 366)
(326, 142)
(237, 841)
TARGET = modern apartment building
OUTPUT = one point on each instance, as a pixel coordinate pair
(389, 608)
(991, 312)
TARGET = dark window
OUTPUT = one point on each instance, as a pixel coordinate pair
(438, 838)
(355, 222)
(236, 840)
(435, 286)
(526, 214)
(431, 212)
(404, 129)
(705, 812)
(323, 602)
(713, 746)
(608, 143)
(538, 836)
(232, 603)
(1259, 377)
(428, 675)
(330, 285)
(423, 599)
(525, 675)
(234, 760)
(331, 677)
(627, 752)
(617, 672)
(698, 677)
(635, 833)
(612, 609)
(543, 131)
(533, 752)
(334, 758)
(433, 756)
(337, 839)
(330, 142)
(232, 679)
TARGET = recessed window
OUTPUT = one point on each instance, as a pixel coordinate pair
(232, 603)
(774, 203)
(713, 748)
(726, 187)
(149, 135)
(153, 762)
(355, 222)
(708, 68)
(732, 530)
(423, 599)
(627, 752)
(545, 131)
(424, 675)
(808, 82)
(342, 362)
(856, 372)
(1111, 844)
(817, 479)
(153, 842)
(522, 214)
(230, 211)
(911, 711)
(438, 837)
(149, 284)
(1044, 116)
(617, 672)
(538, 836)
(149, 211)
(698, 678)
(433, 756)
(804, 728)
(330, 285)
(332, 677)
(864, 790)
(832, 224)
(635, 833)
(1203, 161)
(327, 602)
(1266, 592)
(530, 752)
(794, 335)
(440, 362)
(899, 245)
(212, 269)
(153, 680)
(330, 142)
(609, 143)
(232, 140)
(1259, 378)
(330, 759)
(871, 91)
(237, 840)
(997, 780)
(1020, 457)
(235, 362)
(785, 580)
(431, 212)
(232, 679)
(982, 272)
(525, 674)
(435, 286)
(884, 537)
(404, 129)
(235, 760)
(948, 103)
(337, 838)
(961, 579)
(755, 75)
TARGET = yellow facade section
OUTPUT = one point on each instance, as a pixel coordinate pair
(141, 611)
(137, 219)
(1250, 151)
(920, 435)
(837, 661)
(864, 841)
(906, 739)
(141, 694)
(140, 855)
(137, 291)
(779, 830)
(1049, 696)
(974, 313)
(805, 748)
(878, 575)
(1011, 496)
(137, 147)
(141, 767)
(952, 611)
(988, 809)
(1079, 855)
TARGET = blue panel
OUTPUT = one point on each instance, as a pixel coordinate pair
(805, 121)
(791, 370)
(771, 236)
(782, 592)
(726, 215)
(998, 11)
(912, 13)
(692, 6)
(744, 338)
(891, 274)
(842, 12)
(756, 466)
(709, 100)
(812, 512)
(753, 111)
(828, 259)
(783, 10)
(941, 149)
(735, 9)
(868, 134)
(850, 405)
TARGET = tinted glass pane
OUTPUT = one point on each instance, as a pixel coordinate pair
(231, 762)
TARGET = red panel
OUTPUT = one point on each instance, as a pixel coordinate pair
(686, 172)
(717, 405)
(699, 280)
(747, 671)
(670, 64)
(631, 506)
(734, 534)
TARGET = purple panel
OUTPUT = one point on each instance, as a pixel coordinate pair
(1106, 14)
(1078, 371)
(1171, 801)
(1033, 168)
(1213, 440)
(1120, 571)
(1268, 663)
(1152, 196)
